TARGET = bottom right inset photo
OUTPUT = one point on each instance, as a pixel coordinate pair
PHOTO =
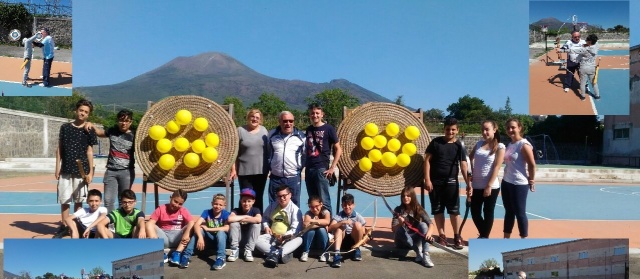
(549, 258)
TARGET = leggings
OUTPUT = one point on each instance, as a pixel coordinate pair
(514, 198)
(486, 205)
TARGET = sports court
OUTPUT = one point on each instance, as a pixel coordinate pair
(11, 78)
(28, 208)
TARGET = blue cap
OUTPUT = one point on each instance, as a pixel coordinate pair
(248, 192)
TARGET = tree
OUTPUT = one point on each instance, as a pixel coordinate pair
(239, 111)
(270, 104)
(399, 100)
(470, 109)
(96, 271)
(49, 275)
(433, 114)
(25, 274)
(14, 16)
(507, 110)
(332, 101)
(489, 263)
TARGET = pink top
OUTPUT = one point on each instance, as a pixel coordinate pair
(166, 220)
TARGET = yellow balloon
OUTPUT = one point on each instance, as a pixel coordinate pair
(371, 129)
(389, 159)
(412, 132)
(166, 162)
(200, 124)
(394, 145)
(212, 140)
(366, 143)
(157, 132)
(183, 117)
(163, 145)
(191, 160)
(392, 129)
(380, 141)
(403, 160)
(409, 149)
(375, 155)
(365, 164)
(172, 127)
(209, 154)
(181, 144)
(198, 146)
(279, 228)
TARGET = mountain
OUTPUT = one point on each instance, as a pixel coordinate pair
(552, 23)
(215, 76)
(9, 275)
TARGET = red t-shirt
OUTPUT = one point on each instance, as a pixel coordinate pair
(166, 220)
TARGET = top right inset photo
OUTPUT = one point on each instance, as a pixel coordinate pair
(579, 58)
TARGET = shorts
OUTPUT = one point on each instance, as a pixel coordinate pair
(445, 195)
(82, 228)
(71, 189)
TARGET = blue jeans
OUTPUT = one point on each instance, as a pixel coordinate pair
(292, 182)
(321, 241)
(116, 181)
(218, 239)
(46, 70)
(514, 198)
(318, 185)
(405, 238)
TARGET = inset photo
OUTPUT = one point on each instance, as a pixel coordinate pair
(84, 258)
(35, 48)
(549, 258)
(579, 58)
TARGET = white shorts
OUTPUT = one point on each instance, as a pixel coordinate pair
(71, 189)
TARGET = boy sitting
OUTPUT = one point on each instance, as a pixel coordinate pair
(244, 224)
(84, 220)
(173, 223)
(127, 220)
(211, 227)
(347, 225)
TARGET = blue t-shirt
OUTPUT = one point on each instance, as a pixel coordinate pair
(211, 221)
(47, 48)
(319, 141)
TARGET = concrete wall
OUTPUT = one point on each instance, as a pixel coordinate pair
(31, 135)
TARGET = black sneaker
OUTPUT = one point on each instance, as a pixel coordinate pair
(582, 98)
(26, 84)
(597, 97)
(62, 232)
(271, 260)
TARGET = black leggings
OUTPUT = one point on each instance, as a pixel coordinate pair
(483, 224)
(257, 183)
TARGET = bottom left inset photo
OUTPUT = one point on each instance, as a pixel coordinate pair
(83, 258)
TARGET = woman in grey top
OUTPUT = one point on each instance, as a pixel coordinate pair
(251, 167)
(587, 55)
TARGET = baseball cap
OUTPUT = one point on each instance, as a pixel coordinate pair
(248, 192)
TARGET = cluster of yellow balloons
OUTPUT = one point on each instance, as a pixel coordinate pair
(206, 148)
(389, 141)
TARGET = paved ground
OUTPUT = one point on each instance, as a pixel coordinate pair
(14, 51)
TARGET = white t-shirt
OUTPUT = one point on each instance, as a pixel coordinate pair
(515, 170)
(483, 165)
(87, 217)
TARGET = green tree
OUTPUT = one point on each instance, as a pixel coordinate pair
(470, 109)
(96, 271)
(270, 105)
(332, 102)
(433, 115)
(49, 275)
(15, 16)
(239, 111)
(507, 110)
(400, 100)
(489, 263)
(25, 274)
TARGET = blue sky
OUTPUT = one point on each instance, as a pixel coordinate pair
(69, 256)
(484, 249)
(604, 13)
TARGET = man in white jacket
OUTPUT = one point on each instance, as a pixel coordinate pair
(572, 59)
(286, 157)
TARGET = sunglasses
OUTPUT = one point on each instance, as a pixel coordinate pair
(287, 120)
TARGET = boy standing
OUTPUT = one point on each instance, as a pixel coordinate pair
(74, 143)
(244, 224)
(120, 164)
(347, 225)
(127, 220)
(84, 221)
(442, 157)
(320, 139)
(210, 228)
(173, 223)
(28, 55)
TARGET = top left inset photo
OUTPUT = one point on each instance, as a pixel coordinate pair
(35, 48)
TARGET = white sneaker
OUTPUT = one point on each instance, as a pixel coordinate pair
(234, 255)
(566, 90)
(426, 260)
(323, 257)
(248, 257)
(304, 257)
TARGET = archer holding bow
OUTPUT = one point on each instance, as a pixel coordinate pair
(412, 226)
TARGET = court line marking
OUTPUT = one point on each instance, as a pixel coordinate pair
(536, 215)
(604, 189)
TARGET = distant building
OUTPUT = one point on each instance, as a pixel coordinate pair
(583, 258)
(621, 143)
(147, 266)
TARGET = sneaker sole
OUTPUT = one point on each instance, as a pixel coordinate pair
(219, 267)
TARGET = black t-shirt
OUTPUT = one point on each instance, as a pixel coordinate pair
(74, 142)
(445, 158)
(319, 141)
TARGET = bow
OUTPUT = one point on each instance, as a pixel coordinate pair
(410, 226)
(287, 238)
(367, 233)
(466, 214)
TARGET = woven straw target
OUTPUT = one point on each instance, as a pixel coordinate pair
(388, 180)
(181, 176)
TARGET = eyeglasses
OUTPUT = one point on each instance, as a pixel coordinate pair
(287, 120)
(575, 37)
(127, 202)
(124, 121)
(282, 196)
